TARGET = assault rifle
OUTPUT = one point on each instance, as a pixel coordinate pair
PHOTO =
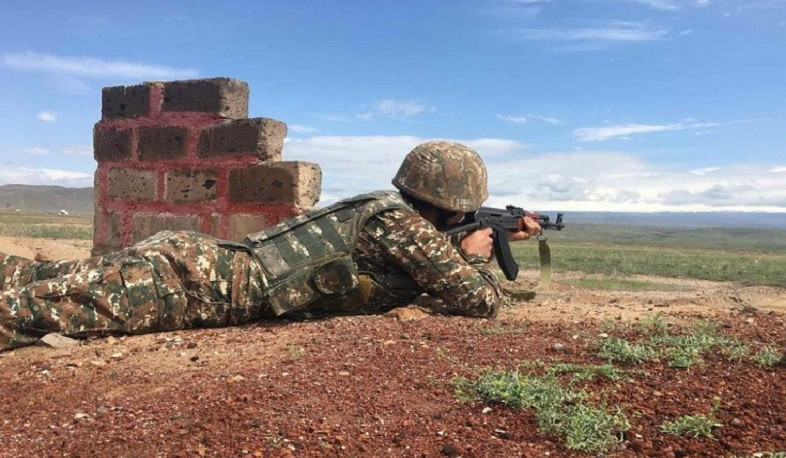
(503, 220)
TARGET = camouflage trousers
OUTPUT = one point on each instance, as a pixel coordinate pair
(172, 280)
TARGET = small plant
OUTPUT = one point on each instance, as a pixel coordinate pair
(296, 351)
(683, 357)
(617, 350)
(692, 425)
(609, 325)
(736, 351)
(583, 373)
(558, 410)
(591, 429)
(767, 356)
(654, 324)
(706, 327)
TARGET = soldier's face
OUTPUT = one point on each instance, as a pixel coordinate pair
(447, 218)
(455, 218)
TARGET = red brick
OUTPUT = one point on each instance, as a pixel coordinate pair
(215, 225)
(112, 241)
(260, 137)
(131, 184)
(223, 97)
(191, 186)
(241, 225)
(162, 143)
(292, 182)
(146, 225)
(125, 101)
(111, 144)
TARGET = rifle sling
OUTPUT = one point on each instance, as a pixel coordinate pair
(544, 253)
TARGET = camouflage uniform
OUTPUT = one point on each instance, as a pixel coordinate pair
(181, 280)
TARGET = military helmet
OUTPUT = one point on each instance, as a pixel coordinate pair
(445, 174)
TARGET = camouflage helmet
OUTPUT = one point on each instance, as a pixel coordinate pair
(445, 174)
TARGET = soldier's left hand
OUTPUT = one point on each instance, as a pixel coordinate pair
(527, 228)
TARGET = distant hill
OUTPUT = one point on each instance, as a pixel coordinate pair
(80, 201)
(30, 198)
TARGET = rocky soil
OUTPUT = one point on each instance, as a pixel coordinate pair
(381, 385)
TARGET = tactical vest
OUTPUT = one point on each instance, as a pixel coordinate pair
(308, 257)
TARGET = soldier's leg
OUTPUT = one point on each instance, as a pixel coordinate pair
(116, 297)
(16, 271)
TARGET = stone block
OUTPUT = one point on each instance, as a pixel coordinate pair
(110, 144)
(223, 97)
(260, 137)
(292, 182)
(241, 225)
(162, 143)
(111, 221)
(125, 101)
(146, 225)
(131, 184)
(215, 225)
(191, 186)
(54, 340)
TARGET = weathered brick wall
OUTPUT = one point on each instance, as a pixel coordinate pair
(183, 155)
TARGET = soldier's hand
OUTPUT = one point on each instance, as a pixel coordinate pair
(527, 228)
(478, 242)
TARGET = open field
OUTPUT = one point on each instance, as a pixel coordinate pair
(607, 361)
(749, 256)
(47, 226)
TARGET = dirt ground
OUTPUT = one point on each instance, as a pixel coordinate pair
(381, 385)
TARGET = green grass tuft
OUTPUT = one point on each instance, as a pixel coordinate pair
(559, 411)
(692, 425)
(583, 373)
(617, 350)
(767, 356)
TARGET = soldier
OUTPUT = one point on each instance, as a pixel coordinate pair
(366, 254)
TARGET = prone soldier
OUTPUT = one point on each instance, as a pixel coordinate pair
(366, 254)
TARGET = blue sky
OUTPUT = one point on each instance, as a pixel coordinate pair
(617, 105)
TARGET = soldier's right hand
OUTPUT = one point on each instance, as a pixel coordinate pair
(478, 242)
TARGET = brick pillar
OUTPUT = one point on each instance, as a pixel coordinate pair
(182, 155)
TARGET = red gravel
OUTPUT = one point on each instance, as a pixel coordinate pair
(359, 386)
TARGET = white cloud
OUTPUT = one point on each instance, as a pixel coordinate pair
(616, 32)
(77, 150)
(35, 151)
(595, 134)
(298, 129)
(704, 171)
(659, 4)
(513, 119)
(672, 5)
(47, 116)
(23, 175)
(686, 32)
(546, 119)
(577, 181)
(397, 109)
(90, 67)
(613, 181)
(523, 119)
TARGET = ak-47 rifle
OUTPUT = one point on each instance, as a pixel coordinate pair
(502, 221)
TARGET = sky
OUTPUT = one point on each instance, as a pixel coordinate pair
(594, 105)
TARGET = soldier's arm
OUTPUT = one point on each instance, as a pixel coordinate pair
(463, 283)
